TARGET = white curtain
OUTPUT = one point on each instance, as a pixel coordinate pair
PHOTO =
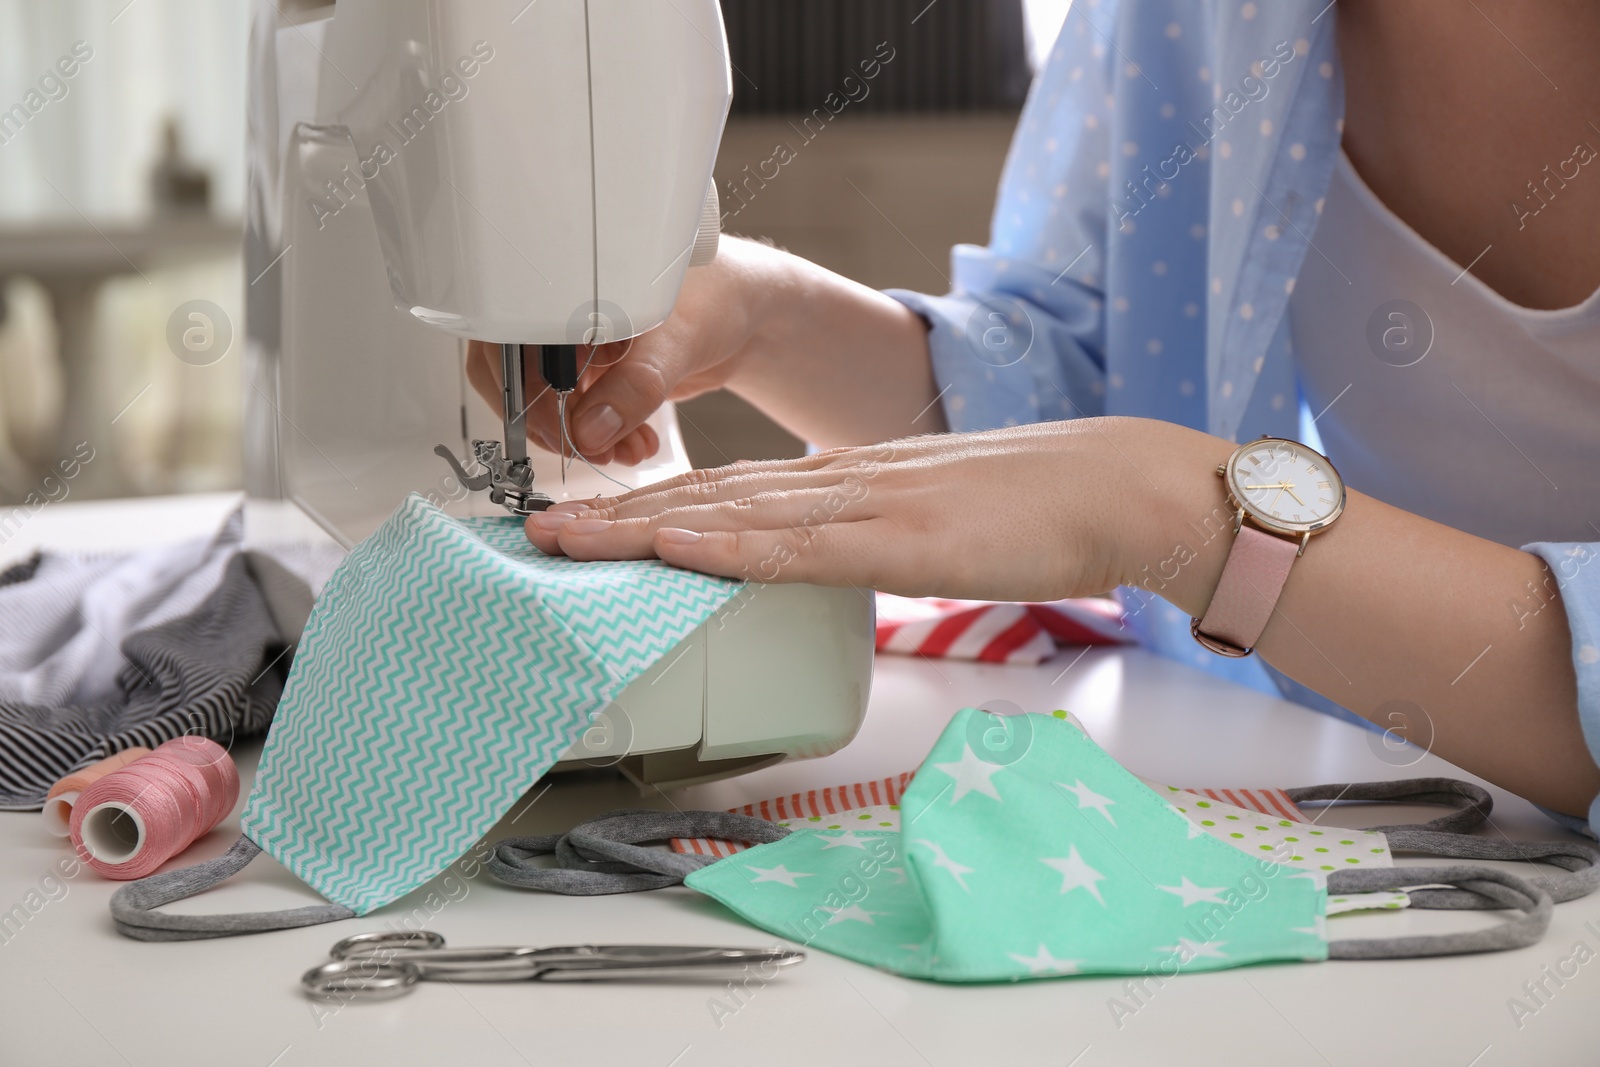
(97, 132)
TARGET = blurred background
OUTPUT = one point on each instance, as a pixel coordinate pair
(122, 185)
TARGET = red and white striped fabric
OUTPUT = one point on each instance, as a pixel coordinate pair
(812, 804)
(1273, 802)
(992, 632)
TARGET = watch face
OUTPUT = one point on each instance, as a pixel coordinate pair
(1286, 485)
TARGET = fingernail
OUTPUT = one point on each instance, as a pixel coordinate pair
(550, 521)
(586, 526)
(567, 507)
(596, 428)
(674, 536)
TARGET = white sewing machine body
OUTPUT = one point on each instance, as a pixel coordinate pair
(425, 171)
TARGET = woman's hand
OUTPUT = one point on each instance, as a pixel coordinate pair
(830, 359)
(624, 382)
(1030, 513)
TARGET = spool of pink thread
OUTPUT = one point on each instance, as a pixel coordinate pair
(133, 820)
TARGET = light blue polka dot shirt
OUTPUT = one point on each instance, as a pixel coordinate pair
(1157, 204)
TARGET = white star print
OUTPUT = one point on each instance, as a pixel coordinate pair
(971, 774)
(852, 912)
(1088, 798)
(1076, 874)
(780, 873)
(1194, 894)
(957, 871)
(848, 839)
(1042, 962)
(1194, 828)
(1194, 949)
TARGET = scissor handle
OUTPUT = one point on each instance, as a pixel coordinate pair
(384, 943)
(362, 978)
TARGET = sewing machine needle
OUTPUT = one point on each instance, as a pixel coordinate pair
(561, 417)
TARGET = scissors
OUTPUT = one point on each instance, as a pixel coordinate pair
(383, 964)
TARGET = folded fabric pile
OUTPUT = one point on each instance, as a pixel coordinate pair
(990, 632)
(101, 653)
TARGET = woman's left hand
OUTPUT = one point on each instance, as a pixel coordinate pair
(1029, 513)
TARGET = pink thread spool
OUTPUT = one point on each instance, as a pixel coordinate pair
(133, 820)
(65, 793)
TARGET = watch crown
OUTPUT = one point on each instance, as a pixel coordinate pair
(1222, 470)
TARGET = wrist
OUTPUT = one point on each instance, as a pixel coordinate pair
(766, 288)
(1181, 527)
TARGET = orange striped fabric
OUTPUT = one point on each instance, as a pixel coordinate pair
(1273, 802)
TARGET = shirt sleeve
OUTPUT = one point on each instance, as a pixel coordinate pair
(1576, 567)
(1021, 336)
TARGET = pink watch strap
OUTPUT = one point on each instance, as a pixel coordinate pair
(1252, 579)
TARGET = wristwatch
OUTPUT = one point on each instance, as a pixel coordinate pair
(1280, 492)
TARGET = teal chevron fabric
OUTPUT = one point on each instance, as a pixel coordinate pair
(1025, 851)
(447, 666)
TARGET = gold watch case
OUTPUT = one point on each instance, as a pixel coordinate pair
(1243, 509)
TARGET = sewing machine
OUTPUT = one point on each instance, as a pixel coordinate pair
(535, 175)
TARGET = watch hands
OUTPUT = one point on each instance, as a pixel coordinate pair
(1281, 487)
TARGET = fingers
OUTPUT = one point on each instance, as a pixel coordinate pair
(543, 419)
(635, 382)
(600, 534)
(739, 479)
(836, 554)
(637, 447)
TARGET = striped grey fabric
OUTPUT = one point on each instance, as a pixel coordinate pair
(199, 656)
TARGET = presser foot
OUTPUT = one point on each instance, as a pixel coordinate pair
(509, 481)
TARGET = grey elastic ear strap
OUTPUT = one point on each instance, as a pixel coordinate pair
(134, 906)
(1472, 803)
(604, 855)
(1578, 872)
(1469, 887)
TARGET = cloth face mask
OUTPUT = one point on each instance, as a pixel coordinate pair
(1294, 842)
(1057, 861)
(1045, 857)
(447, 666)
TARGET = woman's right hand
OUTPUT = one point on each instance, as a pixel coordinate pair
(695, 351)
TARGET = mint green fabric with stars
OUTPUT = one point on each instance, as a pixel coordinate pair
(1038, 858)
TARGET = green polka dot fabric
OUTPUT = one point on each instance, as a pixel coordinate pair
(1034, 858)
(1294, 844)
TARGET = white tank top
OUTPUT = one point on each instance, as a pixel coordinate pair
(1438, 395)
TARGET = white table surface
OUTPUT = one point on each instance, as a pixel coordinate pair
(72, 991)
